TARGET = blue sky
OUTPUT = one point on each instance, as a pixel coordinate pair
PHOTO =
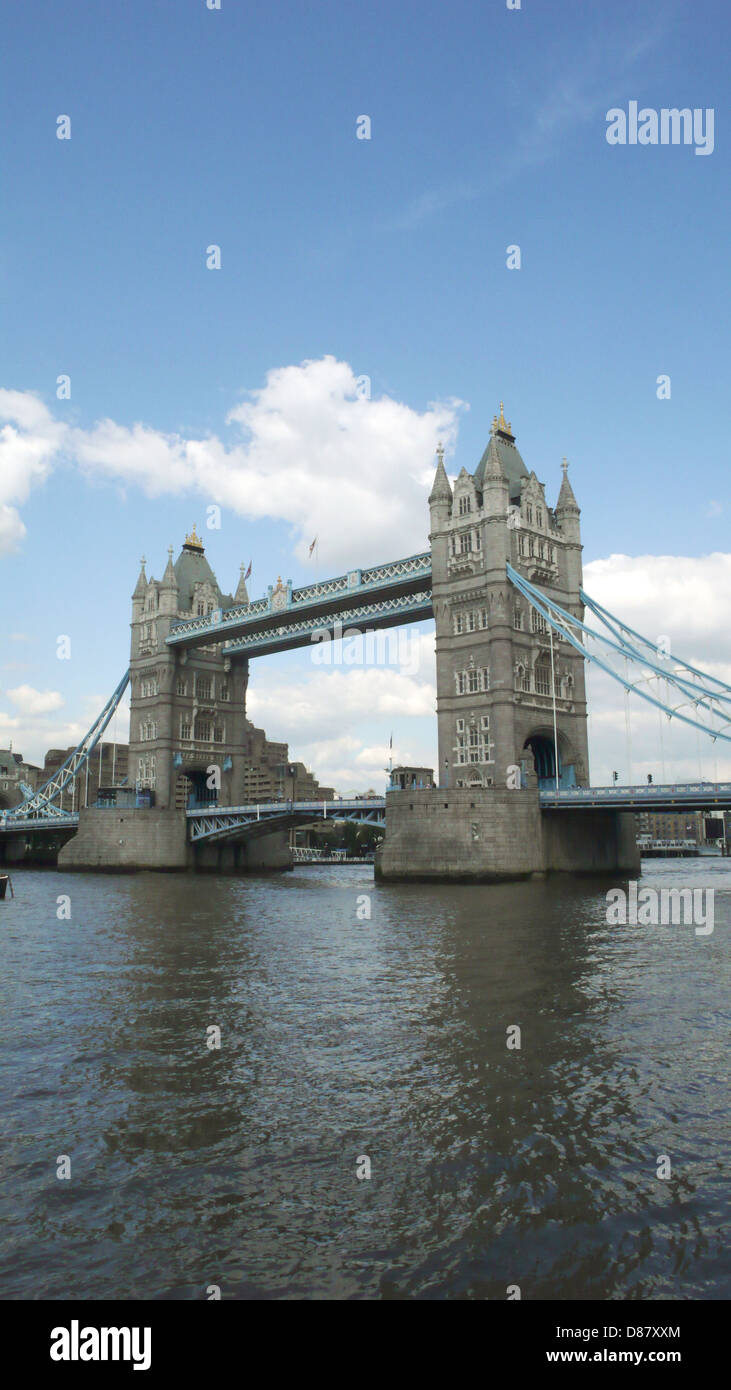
(238, 127)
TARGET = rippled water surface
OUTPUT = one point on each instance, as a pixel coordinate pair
(343, 1037)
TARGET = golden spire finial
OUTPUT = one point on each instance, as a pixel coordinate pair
(194, 540)
(502, 423)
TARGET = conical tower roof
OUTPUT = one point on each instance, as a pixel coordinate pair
(493, 462)
(140, 588)
(169, 580)
(512, 464)
(192, 567)
(242, 593)
(441, 491)
(566, 499)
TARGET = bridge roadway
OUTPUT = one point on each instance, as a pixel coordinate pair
(228, 822)
(215, 823)
(383, 596)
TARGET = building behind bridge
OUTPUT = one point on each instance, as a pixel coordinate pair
(14, 773)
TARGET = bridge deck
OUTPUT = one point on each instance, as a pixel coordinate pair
(382, 596)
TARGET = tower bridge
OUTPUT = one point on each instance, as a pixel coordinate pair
(514, 630)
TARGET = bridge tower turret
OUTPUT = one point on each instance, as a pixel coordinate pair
(495, 683)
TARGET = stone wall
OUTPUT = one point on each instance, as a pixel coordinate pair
(493, 834)
(127, 839)
(120, 840)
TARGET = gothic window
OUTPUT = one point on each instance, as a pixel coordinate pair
(543, 676)
(517, 619)
(529, 514)
(485, 722)
(460, 726)
(465, 505)
(478, 541)
(181, 687)
(458, 623)
(146, 770)
(464, 543)
(203, 687)
(521, 543)
(148, 686)
(203, 730)
(223, 693)
(553, 554)
(471, 624)
(539, 517)
(473, 680)
(537, 621)
(185, 730)
(200, 609)
(483, 617)
(541, 550)
(531, 546)
(218, 733)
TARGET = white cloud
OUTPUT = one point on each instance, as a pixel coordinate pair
(314, 454)
(29, 442)
(32, 701)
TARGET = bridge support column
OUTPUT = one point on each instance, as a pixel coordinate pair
(492, 834)
(120, 840)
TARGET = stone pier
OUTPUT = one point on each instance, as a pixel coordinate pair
(130, 839)
(483, 835)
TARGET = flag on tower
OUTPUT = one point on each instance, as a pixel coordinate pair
(248, 572)
(312, 547)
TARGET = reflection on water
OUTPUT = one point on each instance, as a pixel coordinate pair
(342, 1037)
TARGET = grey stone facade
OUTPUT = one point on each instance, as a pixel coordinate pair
(490, 835)
(188, 709)
(494, 674)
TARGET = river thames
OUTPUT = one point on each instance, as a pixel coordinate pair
(343, 1036)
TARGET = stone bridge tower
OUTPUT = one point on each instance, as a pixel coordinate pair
(495, 691)
(188, 709)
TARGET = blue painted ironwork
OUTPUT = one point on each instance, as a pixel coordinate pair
(283, 604)
(53, 820)
(226, 822)
(657, 797)
(40, 805)
(693, 689)
(563, 622)
(377, 613)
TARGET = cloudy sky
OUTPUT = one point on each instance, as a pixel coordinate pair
(363, 310)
